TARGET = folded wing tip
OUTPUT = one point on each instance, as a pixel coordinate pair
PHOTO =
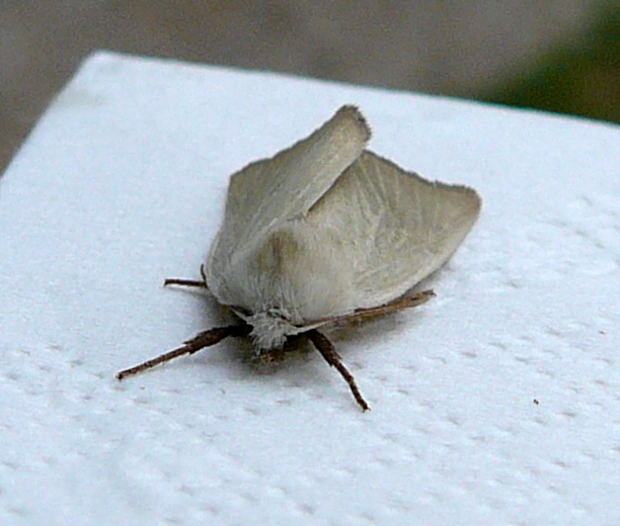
(475, 199)
(352, 112)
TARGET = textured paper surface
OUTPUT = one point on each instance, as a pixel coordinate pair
(122, 184)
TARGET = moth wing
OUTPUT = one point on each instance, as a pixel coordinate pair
(266, 194)
(393, 228)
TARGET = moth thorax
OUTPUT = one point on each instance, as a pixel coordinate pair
(270, 328)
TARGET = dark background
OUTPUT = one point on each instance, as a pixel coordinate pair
(558, 55)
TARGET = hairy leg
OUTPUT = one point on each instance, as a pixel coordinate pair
(327, 350)
(189, 282)
(405, 302)
(200, 341)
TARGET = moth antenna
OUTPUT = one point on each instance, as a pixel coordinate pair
(200, 341)
(328, 351)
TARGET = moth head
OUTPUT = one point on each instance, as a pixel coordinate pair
(270, 328)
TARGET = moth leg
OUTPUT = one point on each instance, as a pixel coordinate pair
(327, 350)
(200, 341)
(189, 282)
(184, 282)
(404, 302)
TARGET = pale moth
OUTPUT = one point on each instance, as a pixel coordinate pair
(324, 233)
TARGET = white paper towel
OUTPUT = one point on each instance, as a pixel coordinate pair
(122, 184)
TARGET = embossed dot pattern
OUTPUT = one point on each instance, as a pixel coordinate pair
(496, 403)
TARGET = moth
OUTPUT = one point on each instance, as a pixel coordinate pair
(325, 233)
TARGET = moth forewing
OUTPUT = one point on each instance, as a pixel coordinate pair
(326, 232)
(265, 195)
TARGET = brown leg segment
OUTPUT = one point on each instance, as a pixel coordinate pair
(184, 282)
(200, 341)
(189, 282)
(406, 302)
(327, 350)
